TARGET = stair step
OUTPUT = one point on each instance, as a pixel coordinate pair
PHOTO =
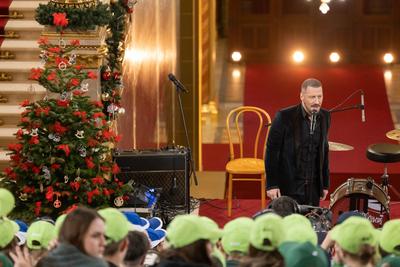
(7, 136)
(19, 66)
(21, 88)
(15, 93)
(16, 71)
(26, 8)
(4, 156)
(19, 45)
(10, 115)
(22, 50)
(10, 110)
(23, 29)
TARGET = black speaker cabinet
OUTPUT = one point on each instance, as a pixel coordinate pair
(166, 170)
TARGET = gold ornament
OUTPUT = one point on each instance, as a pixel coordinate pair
(121, 111)
(107, 176)
(105, 96)
(23, 196)
(118, 201)
(57, 204)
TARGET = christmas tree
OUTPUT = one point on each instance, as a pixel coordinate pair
(62, 155)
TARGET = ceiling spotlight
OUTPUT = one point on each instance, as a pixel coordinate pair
(236, 56)
(388, 58)
(236, 74)
(334, 57)
(298, 56)
(324, 8)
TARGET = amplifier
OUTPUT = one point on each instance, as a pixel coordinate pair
(165, 170)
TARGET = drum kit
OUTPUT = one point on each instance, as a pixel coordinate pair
(365, 195)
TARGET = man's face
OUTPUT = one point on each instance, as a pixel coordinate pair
(311, 99)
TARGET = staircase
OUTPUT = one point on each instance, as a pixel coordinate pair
(19, 52)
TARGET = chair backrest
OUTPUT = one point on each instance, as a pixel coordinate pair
(233, 118)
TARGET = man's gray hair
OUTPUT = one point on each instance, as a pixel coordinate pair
(310, 82)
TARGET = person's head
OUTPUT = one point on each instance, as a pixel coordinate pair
(236, 236)
(116, 231)
(188, 236)
(303, 254)
(8, 229)
(138, 246)
(267, 234)
(7, 202)
(356, 240)
(39, 236)
(284, 206)
(298, 228)
(389, 239)
(311, 95)
(84, 228)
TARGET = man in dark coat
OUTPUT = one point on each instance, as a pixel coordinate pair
(297, 163)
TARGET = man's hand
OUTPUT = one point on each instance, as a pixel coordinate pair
(273, 193)
(325, 193)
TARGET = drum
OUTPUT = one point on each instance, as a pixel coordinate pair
(363, 195)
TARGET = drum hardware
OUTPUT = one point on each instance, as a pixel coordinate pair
(334, 146)
(363, 195)
(385, 153)
(394, 134)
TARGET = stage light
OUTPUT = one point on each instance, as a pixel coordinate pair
(334, 57)
(298, 56)
(388, 75)
(236, 74)
(388, 58)
(324, 8)
(236, 56)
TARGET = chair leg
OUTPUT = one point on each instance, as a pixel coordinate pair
(263, 191)
(230, 184)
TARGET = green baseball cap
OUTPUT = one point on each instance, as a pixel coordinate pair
(213, 228)
(353, 233)
(236, 235)
(187, 229)
(59, 222)
(390, 261)
(299, 229)
(267, 233)
(7, 202)
(40, 234)
(389, 239)
(8, 229)
(303, 254)
(117, 226)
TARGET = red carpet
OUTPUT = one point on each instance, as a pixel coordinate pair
(4, 4)
(216, 209)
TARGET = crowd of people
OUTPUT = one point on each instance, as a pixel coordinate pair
(109, 237)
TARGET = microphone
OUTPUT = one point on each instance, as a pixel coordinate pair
(177, 83)
(362, 107)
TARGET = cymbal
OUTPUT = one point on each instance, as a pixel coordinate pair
(334, 146)
(394, 134)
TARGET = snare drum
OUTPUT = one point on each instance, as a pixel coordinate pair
(363, 195)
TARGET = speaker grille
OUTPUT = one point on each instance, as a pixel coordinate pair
(164, 170)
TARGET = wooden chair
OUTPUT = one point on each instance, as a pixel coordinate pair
(238, 168)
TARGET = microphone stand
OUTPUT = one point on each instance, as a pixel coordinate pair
(192, 170)
(358, 106)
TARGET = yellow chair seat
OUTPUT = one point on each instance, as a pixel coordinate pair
(245, 166)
